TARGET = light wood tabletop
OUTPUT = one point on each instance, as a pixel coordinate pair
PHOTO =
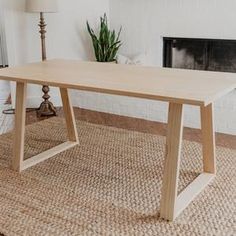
(176, 85)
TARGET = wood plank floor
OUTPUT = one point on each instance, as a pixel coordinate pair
(223, 140)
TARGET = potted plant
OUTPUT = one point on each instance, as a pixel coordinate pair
(107, 43)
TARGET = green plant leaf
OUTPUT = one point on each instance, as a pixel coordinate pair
(107, 43)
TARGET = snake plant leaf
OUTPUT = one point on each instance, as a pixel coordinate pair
(106, 44)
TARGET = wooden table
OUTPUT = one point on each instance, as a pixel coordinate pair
(177, 87)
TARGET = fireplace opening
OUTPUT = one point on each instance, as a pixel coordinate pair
(200, 54)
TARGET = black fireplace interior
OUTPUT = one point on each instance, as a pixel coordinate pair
(200, 54)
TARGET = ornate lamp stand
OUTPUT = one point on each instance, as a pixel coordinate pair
(43, 6)
(46, 107)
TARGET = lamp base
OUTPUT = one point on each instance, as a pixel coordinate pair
(46, 109)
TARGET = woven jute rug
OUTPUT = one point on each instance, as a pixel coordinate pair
(109, 185)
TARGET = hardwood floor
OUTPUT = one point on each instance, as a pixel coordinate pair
(224, 140)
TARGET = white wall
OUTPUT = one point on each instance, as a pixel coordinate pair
(66, 36)
(144, 23)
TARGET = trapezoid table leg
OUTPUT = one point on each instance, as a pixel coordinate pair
(18, 162)
(171, 204)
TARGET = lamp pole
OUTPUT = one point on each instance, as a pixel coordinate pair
(46, 107)
(42, 32)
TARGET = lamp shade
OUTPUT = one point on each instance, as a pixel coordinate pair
(41, 6)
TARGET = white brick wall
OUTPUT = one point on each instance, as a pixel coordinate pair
(225, 109)
(225, 113)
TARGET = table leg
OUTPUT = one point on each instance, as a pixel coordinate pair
(208, 139)
(171, 204)
(19, 134)
(18, 162)
(69, 116)
(172, 161)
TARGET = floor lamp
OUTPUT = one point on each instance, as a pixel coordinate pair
(43, 6)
